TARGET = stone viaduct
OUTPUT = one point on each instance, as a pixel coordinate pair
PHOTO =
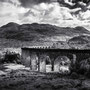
(37, 58)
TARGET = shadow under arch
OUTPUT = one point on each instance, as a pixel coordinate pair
(62, 64)
(44, 62)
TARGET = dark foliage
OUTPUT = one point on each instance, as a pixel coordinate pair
(11, 57)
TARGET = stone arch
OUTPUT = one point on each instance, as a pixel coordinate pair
(62, 64)
(48, 64)
(42, 62)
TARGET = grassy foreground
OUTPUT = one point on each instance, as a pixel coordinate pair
(28, 80)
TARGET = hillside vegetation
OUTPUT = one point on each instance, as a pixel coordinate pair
(80, 42)
(39, 34)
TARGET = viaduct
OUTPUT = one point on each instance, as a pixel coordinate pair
(36, 57)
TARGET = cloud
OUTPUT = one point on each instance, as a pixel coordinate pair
(15, 2)
(45, 11)
(72, 4)
(10, 12)
(29, 3)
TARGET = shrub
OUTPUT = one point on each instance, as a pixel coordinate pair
(85, 67)
(74, 75)
(11, 57)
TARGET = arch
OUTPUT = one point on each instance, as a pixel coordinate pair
(43, 58)
(48, 64)
(62, 64)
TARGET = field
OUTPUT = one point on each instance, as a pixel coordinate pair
(18, 77)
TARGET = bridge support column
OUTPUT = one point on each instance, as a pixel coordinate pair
(26, 58)
(34, 61)
(42, 63)
(74, 59)
(73, 63)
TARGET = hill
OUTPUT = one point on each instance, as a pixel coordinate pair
(38, 33)
(80, 42)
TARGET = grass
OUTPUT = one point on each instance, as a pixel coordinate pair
(29, 80)
(2, 67)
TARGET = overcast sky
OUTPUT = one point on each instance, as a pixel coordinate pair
(56, 12)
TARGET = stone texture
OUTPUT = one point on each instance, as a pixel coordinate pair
(26, 58)
(62, 64)
(34, 61)
(43, 63)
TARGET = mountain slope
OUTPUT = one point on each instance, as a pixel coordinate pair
(83, 39)
(15, 35)
(80, 42)
(34, 32)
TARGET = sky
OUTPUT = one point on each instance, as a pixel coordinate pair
(63, 13)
